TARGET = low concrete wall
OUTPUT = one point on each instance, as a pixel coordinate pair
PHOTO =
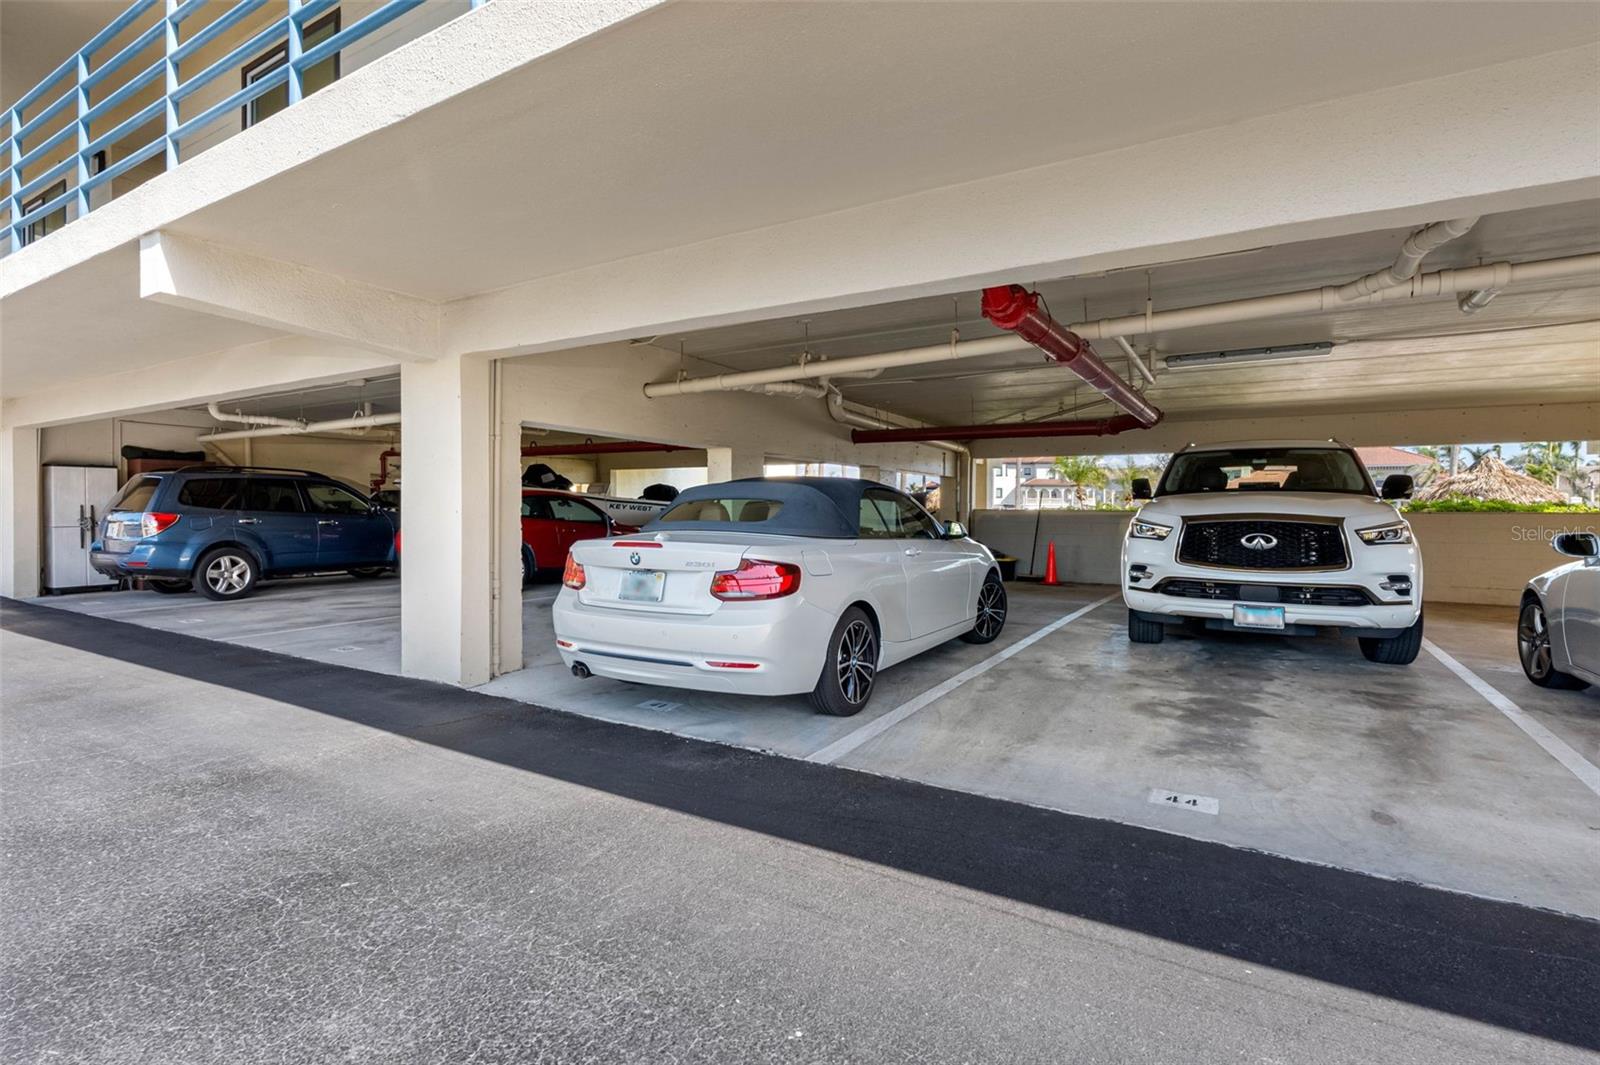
(1468, 558)
(1088, 542)
(1487, 558)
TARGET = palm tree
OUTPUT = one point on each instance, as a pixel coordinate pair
(1478, 453)
(1081, 471)
(1547, 460)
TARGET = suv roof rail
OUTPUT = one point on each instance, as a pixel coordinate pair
(245, 469)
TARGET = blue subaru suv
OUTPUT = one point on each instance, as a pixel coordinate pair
(222, 529)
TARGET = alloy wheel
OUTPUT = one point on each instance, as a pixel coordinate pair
(228, 574)
(858, 661)
(991, 610)
(1533, 641)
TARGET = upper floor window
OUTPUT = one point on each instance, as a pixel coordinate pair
(50, 222)
(315, 77)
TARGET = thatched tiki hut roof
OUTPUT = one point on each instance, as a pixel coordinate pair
(1490, 478)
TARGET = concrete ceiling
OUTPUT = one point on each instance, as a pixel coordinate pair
(1424, 353)
(36, 37)
(92, 321)
(836, 105)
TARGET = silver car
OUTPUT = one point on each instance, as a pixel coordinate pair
(1558, 628)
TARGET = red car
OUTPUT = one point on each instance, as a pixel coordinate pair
(553, 521)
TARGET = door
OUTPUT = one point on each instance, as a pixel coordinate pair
(1580, 614)
(541, 534)
(99, 489)
(68, 531)
(576, 520)
(273, 518)
(350, 531)
(939, 590)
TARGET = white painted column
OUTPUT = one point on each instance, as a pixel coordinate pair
(871, 473)
(20, 535)
(949, 498)
(446, 598)
(733, 463)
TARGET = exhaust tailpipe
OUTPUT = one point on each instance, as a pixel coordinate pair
(581, 671)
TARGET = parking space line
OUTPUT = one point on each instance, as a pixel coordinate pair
(878, 726)
(303, 628)
(1553, 745)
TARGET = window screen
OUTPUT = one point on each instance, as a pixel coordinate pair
(1265, 469)
(891, 515)
(136, 494)
(331, 499)
(211, 493)
(735, 509)
(273, 496)
(572, 510)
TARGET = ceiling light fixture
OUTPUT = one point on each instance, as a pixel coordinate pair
(1201, 359)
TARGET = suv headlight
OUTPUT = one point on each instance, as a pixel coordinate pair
(1148, 530)
(1396, 532)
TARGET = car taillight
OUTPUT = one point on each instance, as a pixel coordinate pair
(152, 522)
(573, 576)
(755, 579)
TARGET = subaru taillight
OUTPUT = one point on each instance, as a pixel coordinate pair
(573, 576)
(152, 522)
(755, 579)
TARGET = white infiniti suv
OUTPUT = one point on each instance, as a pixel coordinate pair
(1278, 536)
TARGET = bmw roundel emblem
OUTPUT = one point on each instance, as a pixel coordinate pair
(1259, 541)
(634, 558)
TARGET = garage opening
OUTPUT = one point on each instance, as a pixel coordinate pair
(1295, 745)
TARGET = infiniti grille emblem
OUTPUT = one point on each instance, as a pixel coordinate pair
(1259, 541)
(634, 558)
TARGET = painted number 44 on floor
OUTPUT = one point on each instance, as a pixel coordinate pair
(1202, 804)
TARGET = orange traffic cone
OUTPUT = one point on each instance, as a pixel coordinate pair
(1050, 566)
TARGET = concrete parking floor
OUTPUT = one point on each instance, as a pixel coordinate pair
(214, 854)
(1297, 747)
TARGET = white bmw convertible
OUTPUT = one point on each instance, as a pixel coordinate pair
(776, 587)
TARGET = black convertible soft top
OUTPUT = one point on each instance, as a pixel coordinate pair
(811, 506)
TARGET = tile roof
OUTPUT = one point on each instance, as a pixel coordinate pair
(1392, 456)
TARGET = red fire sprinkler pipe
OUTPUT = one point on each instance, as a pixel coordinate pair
(589, 447)
(1014, 308)
(383, 467)
(1117, 423)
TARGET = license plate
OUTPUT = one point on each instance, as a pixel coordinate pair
(1258, 617)
(642, 585)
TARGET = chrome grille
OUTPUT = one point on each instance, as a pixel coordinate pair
(1280, 544)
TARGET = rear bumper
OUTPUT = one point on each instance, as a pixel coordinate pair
(786, 639)
(144, 560)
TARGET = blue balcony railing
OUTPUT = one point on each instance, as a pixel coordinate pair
(122, 100)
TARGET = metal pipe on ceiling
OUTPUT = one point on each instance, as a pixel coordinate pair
(859, 421)
(1412, 252)
(1314, 300)
(1014, 308)
(1111, 426)
(239, 417)
(1134, 360)
(360, 422)
(1287, 304)
(609, 447)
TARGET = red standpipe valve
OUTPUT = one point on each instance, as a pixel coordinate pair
(1014, 308)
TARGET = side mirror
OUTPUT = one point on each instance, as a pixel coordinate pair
(954, 530)
(1397, 486)
(1140, 488)
(1577, 544)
